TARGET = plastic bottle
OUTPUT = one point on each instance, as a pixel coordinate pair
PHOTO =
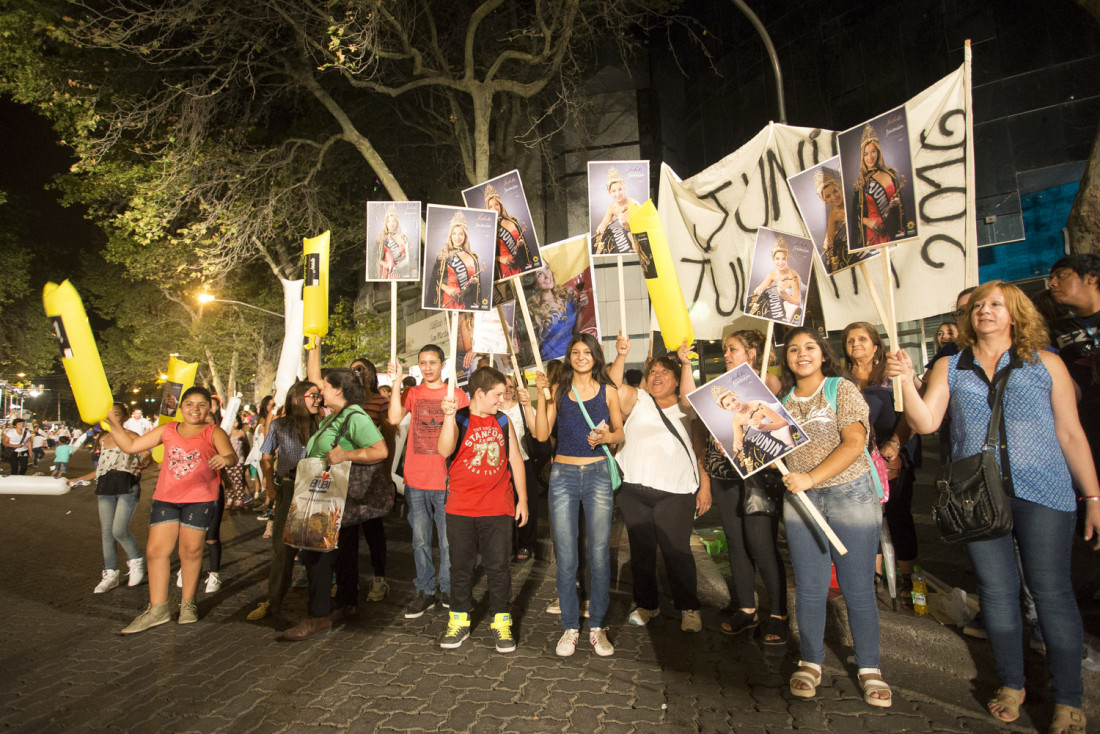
(920, 592)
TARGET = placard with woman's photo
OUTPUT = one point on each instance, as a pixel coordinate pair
(819, 194)
(750, 424)
(517, 244)
(393, 240)
(779, 277)
(612, 187)
(877, 169)
(458, 258)
(561, 297)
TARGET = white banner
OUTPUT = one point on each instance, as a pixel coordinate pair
(711, 219)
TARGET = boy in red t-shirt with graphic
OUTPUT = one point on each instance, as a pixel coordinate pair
(484, 461)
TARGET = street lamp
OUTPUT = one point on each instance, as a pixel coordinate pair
(208, 298)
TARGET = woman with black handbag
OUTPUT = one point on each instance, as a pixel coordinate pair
(660, 494)
(347, 434)
(750, 512)
(1041, 446)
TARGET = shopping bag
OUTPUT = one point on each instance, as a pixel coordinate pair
(317, 507)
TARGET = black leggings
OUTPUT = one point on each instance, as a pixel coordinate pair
(346, 564)
(214, 533)
(898, 511)
(752, 547)
(527, 536)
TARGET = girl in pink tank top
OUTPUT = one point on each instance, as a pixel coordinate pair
(183, 503)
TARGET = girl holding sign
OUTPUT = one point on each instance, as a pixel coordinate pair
(834, 465)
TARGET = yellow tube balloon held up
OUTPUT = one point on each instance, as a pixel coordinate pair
(181, 378)
(660, 276)
(79, 355)
(315, 290)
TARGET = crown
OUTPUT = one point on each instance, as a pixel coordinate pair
(869, 135)
(459, 218)
(613, 175)
(391, 210)
(824, 177)
(719, 391)
(780, 245)
(490, 193)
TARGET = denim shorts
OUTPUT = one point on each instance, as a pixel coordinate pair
(194, 515)
(61, 467)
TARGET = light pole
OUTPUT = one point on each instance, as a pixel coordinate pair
(208, 298)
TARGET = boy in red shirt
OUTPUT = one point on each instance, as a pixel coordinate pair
(485, 460)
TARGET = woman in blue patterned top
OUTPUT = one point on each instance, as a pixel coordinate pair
(1042, 447)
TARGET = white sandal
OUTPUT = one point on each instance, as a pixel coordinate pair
(871, 682)
(805, 675)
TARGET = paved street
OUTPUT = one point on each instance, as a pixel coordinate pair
(64, 668)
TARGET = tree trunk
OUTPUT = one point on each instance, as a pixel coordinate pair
(1084, 218)
(232, 376)
(215, 379)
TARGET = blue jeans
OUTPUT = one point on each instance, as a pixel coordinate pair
(115, 511)
(855, 515)
(425, 507)
(572, 486)
(1045, 539)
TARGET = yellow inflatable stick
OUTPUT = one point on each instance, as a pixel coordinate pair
(315, 290)
(181, 377)
(79, 355)
(660, 276)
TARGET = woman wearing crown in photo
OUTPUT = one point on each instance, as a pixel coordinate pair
(613, 235)
(834, 248)
(393, 248)
(512, 254)
(457, 269)
(748, 416)
(787, 283)
(877, 199)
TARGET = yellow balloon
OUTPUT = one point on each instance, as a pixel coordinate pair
(79, 355)
(181, 378)
(315, 290)
(664, 289)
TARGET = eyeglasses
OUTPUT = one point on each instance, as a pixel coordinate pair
(313, 395)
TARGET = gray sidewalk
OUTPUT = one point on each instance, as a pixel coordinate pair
(65, 668)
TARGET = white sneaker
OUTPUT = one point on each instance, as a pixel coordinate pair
(109, 581)
(598, 637)
(137, 571)
(179, 579)
(640, 617)
(213, 583)
(567, 645)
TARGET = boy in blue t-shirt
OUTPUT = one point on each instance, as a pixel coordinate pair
(61, 457)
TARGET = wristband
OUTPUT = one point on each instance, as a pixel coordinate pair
(813, 482)
(1093, 498)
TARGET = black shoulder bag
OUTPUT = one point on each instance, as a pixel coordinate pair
(370, 490)
(674, 432)
(972, 503)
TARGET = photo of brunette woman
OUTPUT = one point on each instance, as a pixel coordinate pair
(459, 246)
(877, 169)
(612, 187)
(393, 240)
(819, 193)
(517, 246)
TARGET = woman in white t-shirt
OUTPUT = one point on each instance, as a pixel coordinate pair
(660, 492)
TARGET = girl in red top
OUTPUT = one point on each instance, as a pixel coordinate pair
(183, 502)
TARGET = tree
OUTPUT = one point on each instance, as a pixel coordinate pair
(1084, 216)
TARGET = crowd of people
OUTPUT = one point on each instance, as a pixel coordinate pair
(473, 464)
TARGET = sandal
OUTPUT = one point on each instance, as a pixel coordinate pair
(1067, 720)
(1008, 700)
(809, 675)
(523, 554)
(739, 621)
(777, 629)
(871, 683)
